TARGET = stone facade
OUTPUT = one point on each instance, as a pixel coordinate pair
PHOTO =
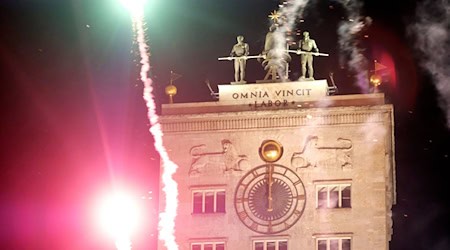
(350, 144)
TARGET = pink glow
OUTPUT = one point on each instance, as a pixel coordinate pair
(387, 60)
(167, 218)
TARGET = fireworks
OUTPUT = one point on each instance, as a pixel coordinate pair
(167, 218)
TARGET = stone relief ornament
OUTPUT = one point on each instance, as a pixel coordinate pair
(315, 155)
(210, 162)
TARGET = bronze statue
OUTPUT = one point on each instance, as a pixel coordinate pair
(307, 45)
(240, 51)
(239, 54)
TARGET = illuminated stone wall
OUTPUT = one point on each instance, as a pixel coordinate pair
(348, 144)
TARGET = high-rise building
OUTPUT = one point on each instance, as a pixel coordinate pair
(279, 166)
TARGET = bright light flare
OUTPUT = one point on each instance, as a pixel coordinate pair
(135, 7)
(118, 216)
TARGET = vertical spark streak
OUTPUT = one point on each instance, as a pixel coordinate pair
(167, 218)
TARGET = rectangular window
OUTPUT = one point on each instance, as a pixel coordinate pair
(346, 197)
(258, 246)
(208, 201)
(333, 243)
(220, 246)
(321, 245)
(197, 202)
(333, 196)
(208, 246)
(270, 245)
(345, 243)
(282, 245)
(220, 201)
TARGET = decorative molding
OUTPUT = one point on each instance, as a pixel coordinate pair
(192, 123)
(207, 239)
(332, 181)
(205, 186)
(329, 235)
(271, 237)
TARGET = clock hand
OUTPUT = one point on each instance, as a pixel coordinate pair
(270, 183)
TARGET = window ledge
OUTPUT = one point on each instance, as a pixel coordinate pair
(334, 209)
(209, 214)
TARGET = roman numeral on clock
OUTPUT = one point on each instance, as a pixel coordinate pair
(242, 215)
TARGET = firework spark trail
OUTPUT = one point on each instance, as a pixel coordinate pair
(290, 12)
(431, 32)
(348, 32)
(167, 218)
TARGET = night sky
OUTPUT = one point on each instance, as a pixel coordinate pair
(74, 122)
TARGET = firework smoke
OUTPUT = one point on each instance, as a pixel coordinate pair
(348, 32)
(289, 12)
(167, 218)
(431, 34)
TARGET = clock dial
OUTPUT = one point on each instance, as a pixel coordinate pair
(259, 202)
(270, 198)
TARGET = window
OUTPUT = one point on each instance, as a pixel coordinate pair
(270, 245)
(208, 201)
(208, 246)
(333, 243)
(333, 196)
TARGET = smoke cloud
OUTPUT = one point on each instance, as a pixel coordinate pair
(431, 35)
(348, 32)
(289, 12)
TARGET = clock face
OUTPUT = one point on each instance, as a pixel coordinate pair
(270, 199)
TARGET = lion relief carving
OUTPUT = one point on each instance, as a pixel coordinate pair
(315, 155)
(216, 162)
